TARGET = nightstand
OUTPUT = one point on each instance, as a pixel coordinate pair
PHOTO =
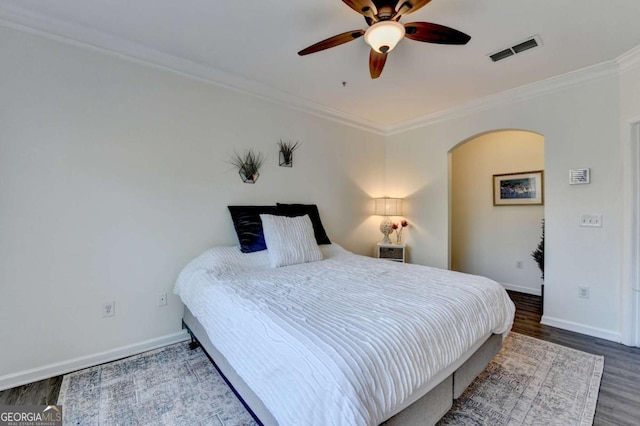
(394, 252)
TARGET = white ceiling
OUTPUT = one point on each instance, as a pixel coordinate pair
(252, 45)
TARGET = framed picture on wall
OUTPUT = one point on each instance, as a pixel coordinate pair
(518, 189)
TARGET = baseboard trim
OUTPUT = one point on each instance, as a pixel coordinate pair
(522, 289)
(581, 328)
(35, 374)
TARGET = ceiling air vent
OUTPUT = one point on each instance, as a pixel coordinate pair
(501, 55)
(518, 48)
(525, 45)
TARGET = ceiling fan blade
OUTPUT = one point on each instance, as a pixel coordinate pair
(376, 63)
(410, 6)
(332, 42)
(364, 7)
(434, 33)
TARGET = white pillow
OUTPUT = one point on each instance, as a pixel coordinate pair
(289, 240)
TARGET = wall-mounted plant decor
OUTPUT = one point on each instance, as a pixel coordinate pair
(286, 152)
(248, 165)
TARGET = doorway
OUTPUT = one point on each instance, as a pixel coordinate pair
(631, 292)
(488, 240)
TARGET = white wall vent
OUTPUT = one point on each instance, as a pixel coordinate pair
(530, 43)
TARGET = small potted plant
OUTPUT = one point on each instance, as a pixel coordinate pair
(538, 256)
(286, 152)
(248, 165)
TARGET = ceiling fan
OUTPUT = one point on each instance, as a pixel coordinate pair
(385, 31)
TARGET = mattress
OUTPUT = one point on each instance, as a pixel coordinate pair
(344, 341)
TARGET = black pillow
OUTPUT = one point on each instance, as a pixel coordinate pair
(293, 210)
(246, 221)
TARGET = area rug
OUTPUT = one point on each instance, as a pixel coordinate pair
(529, 382)
(169, 386)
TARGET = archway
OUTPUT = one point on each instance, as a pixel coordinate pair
(493, 240)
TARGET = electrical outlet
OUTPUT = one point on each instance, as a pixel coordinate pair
(583, 292)
(591, 220)
(519, 264)
(162, 299)
(108, 309)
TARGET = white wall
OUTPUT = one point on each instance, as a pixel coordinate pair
(113, 175)
(580, 124)
(630, 93)
(489, 240)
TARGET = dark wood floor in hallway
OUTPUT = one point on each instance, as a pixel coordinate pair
(618, 401)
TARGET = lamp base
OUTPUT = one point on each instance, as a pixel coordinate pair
(386, 229)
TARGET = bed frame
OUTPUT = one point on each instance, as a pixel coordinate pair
(425, 409)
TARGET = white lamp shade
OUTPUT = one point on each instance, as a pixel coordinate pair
(384, 35)
(388, 206)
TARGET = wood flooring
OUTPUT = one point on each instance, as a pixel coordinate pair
(618, 401)
(44, 392)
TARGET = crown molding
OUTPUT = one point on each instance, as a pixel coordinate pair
(80, 36)
(72, 34)
(629, 60)
(508, 97)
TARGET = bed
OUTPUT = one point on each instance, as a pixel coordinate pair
(347, 340)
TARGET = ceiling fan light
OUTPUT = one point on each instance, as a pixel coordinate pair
(384, 35)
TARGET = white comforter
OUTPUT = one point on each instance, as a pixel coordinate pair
(343, 341)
